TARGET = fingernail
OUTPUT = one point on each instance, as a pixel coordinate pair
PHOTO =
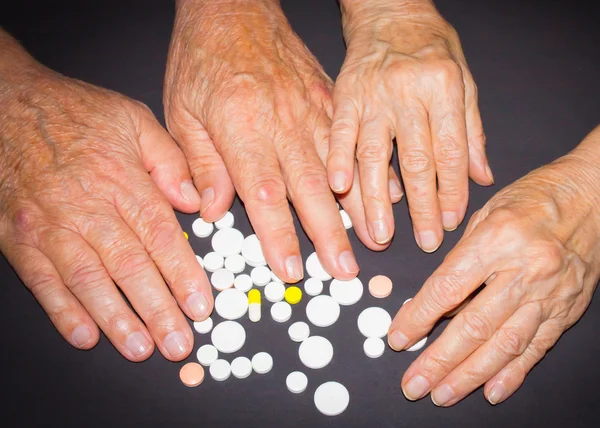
(395, 189)
(189, 192)
(497, 393)
(176, 344)
(81, 336)
(449, 220)
(380, 231)
(397, 340)
(488, 171)
(293, 267)
(428, 241)
(416, 388)
(137, 344)
(207, 197)
(197, 305)
(338, 183)
(348, 262)
(442, 395)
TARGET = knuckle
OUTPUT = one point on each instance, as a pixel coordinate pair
(85, 276)
(343, 128)
(43, 284)
(446, 70)
(372, 151)
(510, 342)
(311, 183)
(475, 326)
(130, 265)
(160, 233)
(451, 154)
(447, 291)
(416, 162)
(161, 315)
(269, 191)
(117, 322)
(435, 366)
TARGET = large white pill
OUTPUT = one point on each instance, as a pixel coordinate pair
(346, 293)
(315, 268)
(252, 251)
(322, 310)
(222, 279)
(220, 370)
(281, 311)
(207, 354)
(299, 331)
(227, 242)
(374, 322)
(313, 286)
(213, 262)
(203, 327)
(331, 398)
(243, 283)
(231, 304)
(228, 337)
(261, 275)
(373, 347)
(235, 263)
(274, 291)
(200, 261)
(201, 228)
(241, 367)
(262, 363)
(296, 382)
(315, 352)
(345, 219)
(226, 221)
(418, 345)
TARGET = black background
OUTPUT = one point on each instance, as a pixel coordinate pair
(536, 64)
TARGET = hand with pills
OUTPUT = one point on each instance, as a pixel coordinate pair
(405, 77)
(88, 179)
(535, 248)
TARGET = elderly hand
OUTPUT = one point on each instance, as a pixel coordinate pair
(536, 246)
(405, 77)
(81, 208)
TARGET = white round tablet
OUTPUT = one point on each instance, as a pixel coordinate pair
(296, 382)
(228, 337)
(231, 304)
(274, 291)
(315, 352)
(203, 327)
(226, 221)
(299, 331)
(241, 367)
(213, 262)
(200, 261)
(418, 345)
(345, 219)
(262, 363)
(315, 268)
(261, 275)
(243, 283)
(374, 322)
(322, 310)
(202, 229)
(281, 311)
(220, 370)
(222, 279)
(207, 354)
(406, 301)
(313, 286)
(374, 347)
(252, 251)
(227, 242)
(235, 263)
(346, 293)
(332, 398)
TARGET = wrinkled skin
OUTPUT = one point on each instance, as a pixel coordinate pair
(535, 246)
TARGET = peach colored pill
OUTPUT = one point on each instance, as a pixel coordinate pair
(192, 374)
(380, 286)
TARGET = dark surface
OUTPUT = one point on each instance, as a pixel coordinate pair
(536, 64)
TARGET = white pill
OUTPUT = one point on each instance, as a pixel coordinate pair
(231, 304)
(222, 279)
(322, 310)
(252, 251)
(235, 263)
(345, 219)
(313, 286)
(226, 221)
(261, 275)
(228, 337)
(406, 301)
(227, 242)
(296, 382)
(281, 311)
(203, 327)
(254, 311)
(213, 262)
(315, 352)
(418, 345)
(315, 268)
(207, 354)
(374, 322)
(220, 370)
(201, 228)
(274, 291)
(243, 283)
(373, 347)
(200, 261)
(299, 331)
(346, 293)
(275, 277)
(241, 367)
(262, 363)
(331, 398)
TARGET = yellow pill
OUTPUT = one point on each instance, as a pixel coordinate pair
(254, 296)
(293, 295)
(186, 235)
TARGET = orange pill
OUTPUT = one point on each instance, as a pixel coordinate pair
(191, 374)
(380, 286)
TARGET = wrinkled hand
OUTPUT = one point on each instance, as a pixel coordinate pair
(405, 77)
(79, 210)
(535, 246)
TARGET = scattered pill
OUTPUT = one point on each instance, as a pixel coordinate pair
(315, 268)
(261, 275)
(207, 354)
(200, 261)
(227, 242)
(185, 234)
(322, 310)
(262, 363)
(346, 293)
(231, 304)
(374, 322)
(313, 286)
(241, 367)
(243, 282)
(315, 352)
(235, 263)
(203, 327)
(406, 301)
(293, 295)
(299, 331)
(254, 305)
(296, 382)
(346, 219)
(222, 279)
(220, 370)
(191, 374)
(274, 291)
(331, 398)
(228, 337)
(281, 311)
(252, 251)
(373, 347)
(275, 277)
(225, 222)
(418, 345)
(202, 229)
(213, 262)
(380, 286)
